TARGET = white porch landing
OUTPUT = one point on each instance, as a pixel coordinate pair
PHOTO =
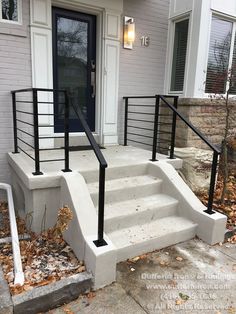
(147, 205)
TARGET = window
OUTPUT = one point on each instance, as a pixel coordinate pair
(10, 10)
(179, 55)
(222, 57)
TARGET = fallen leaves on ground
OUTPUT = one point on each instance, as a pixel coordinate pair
(179, 258)
(46, 258)
(229, 206)
(5, 222)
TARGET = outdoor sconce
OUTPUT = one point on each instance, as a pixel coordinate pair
(129, 32)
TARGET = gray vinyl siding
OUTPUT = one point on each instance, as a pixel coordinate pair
(142, 70)
(15, 73)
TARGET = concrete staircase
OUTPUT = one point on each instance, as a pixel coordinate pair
(139, 216)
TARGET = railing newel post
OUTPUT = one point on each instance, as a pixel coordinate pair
(126, 120)
(155, 130)
(101, 202)
(66, 133)
(173, 131)
(212, 184)
(36, 133)
(14, 123)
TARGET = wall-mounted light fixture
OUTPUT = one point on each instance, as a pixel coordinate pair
(129, 32)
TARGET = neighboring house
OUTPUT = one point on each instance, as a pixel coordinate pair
(181, 48)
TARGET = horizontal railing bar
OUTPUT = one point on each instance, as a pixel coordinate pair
(191, 126)
(52, 160)
(24, 122)
(164, 123)
(135, 105)
(38, 90)
(162, 141)
(22, 90)
(139, 97)
(139, 142)
(24, 101)
(25, 112)
(25, 142)
(25, 132)
(130, 119)
(139, 127)
(50, 125)
(130, 133)
(26, 153)
(161, 147)
(50, 103)
(50, 137)
(163, 132)
(145, 113)
(48, 149)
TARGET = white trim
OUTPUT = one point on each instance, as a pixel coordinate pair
(19, 14)
(173, 21)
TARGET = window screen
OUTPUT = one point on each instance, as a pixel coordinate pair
(218, 59)
(179, 55)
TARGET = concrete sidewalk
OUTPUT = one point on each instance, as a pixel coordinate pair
(191, 277)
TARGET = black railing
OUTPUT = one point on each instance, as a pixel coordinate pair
(26, 121)
(102, 168)
(32, 140)
(159, 128)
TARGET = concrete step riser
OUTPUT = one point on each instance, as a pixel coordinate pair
(117, 173)
(155, 244)
(123, 194)
(140, 217)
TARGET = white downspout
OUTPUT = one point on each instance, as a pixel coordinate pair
(18, 270)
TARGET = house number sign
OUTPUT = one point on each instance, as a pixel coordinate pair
(145, 41)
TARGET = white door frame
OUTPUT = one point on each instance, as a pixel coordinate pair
(107, 72)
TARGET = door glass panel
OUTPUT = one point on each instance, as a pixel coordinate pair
(72, 59)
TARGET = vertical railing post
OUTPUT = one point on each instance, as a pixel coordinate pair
(66, 133)
(173, 131)
(212, 184)
(155, 129)
(126, 120)
(14, 123)
(36, 133)
(101, 201)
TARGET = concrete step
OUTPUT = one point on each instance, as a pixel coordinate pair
(138, 211)
(151, 236)
(126, 188)
(116, 172)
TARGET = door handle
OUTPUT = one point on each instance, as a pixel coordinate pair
(93, 78)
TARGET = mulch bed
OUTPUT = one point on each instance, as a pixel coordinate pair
(46, 258)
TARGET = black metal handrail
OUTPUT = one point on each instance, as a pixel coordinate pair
(35, 125)
(36, 137)
(102, 168)
(176, 113)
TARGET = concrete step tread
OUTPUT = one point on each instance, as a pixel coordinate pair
(133, 206)
(124, 183)
(156, 229)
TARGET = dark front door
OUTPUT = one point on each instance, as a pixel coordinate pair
(74, 65)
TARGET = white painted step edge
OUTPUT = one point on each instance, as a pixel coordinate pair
(18, 270)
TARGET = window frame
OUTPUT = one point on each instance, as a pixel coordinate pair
(174, 21)
(19, 14)
(227, 18)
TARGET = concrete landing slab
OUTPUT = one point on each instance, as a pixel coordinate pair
(201, 274)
